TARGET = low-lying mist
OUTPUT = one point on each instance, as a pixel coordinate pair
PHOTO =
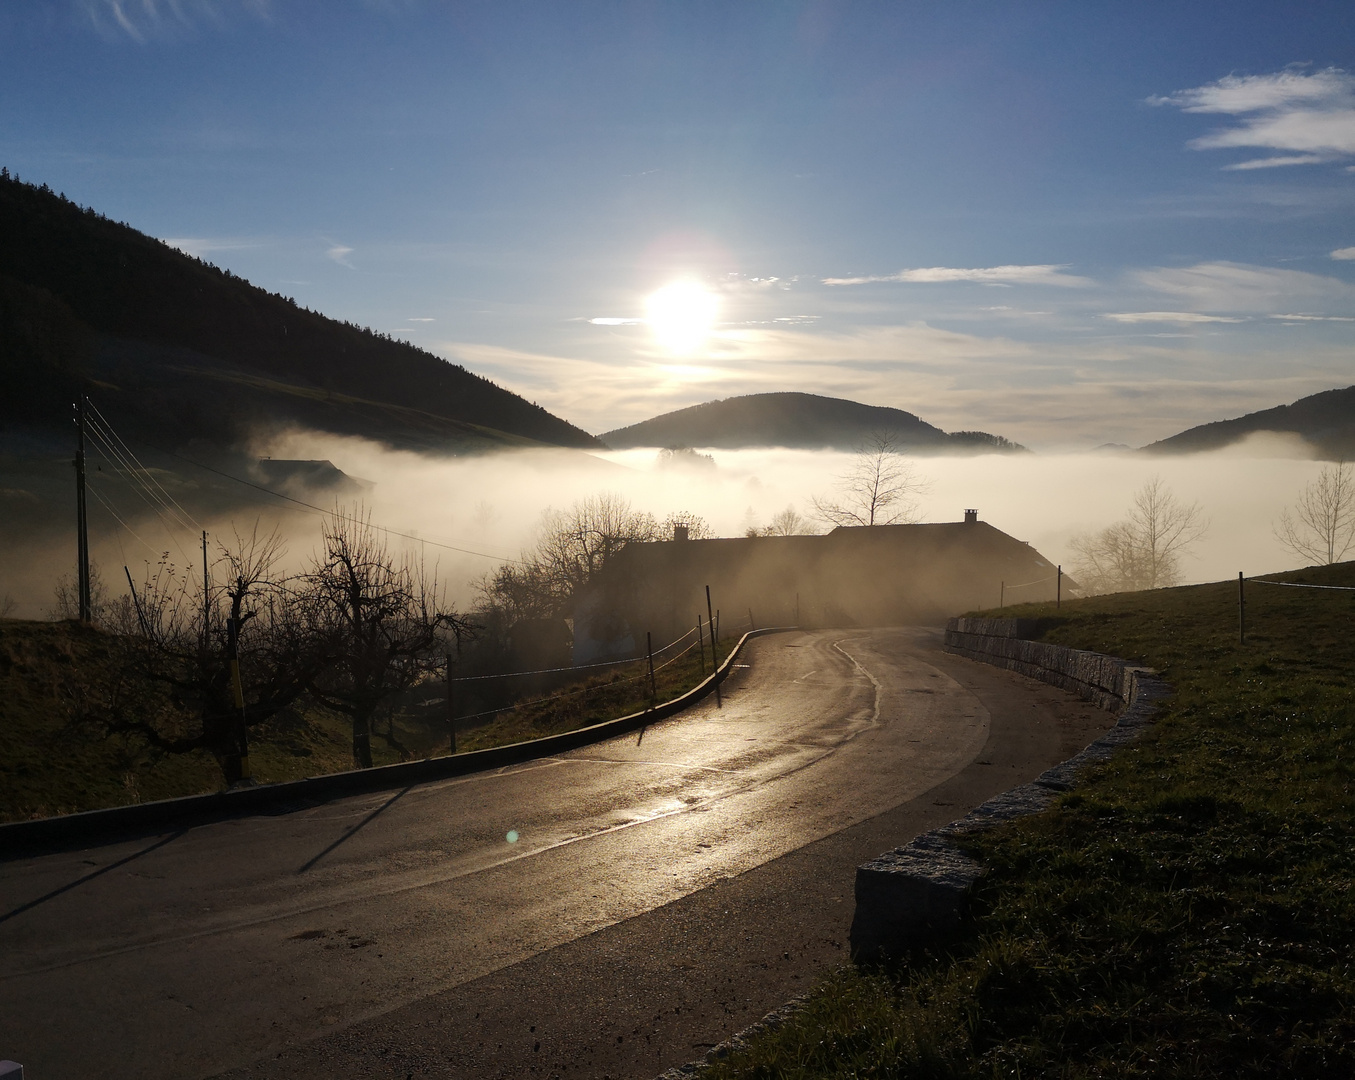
(490, 505)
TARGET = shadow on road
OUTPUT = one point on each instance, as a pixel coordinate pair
(91, 876)
(349, 834)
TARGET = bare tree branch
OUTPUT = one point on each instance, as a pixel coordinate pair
(1322, 527)
(881, 488)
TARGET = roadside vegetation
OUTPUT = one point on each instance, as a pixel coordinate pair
(1188, 912)
(59, 760)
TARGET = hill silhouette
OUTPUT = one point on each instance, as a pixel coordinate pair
(804, 421)
(1326, 420)
(186, 352)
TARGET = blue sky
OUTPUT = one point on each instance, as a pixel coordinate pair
(1065, 223)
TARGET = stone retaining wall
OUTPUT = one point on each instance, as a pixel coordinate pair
(920, 889)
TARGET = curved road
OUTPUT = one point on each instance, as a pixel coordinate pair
(297, 938)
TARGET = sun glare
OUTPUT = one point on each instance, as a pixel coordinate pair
(681, 316)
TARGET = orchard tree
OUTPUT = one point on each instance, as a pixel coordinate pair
(200, 669)
(381, 622)
(1322, 526)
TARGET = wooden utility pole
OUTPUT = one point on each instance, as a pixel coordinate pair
(233, 627)
(206, 596)
(714, 656)
(649, 651)
(451, 703)
(82, 519)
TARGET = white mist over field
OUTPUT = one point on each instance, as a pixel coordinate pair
(490, 505)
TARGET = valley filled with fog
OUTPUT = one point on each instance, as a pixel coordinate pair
(469, 514)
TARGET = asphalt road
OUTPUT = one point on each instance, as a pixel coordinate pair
(608, 912)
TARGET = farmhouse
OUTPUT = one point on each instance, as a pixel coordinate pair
(862, 576)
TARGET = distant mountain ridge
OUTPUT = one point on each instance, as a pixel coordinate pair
(1326, 420)
(796, 420)
(188, 351)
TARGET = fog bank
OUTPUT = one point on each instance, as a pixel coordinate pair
(489, 506)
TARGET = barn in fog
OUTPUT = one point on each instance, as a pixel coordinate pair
(866, 576)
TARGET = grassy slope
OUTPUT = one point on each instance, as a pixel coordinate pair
(53, 764)
(1189, 912)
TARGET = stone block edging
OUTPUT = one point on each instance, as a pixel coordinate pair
(921, 889)
(91, 826)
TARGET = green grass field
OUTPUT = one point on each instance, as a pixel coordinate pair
(1188, 912)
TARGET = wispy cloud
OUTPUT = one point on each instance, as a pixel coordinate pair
(1167, 317)
(1315, 318)
(339, 253)
(160, 20)
(1239, 287)
(1344, 253)
(1311, 115)
(1044, 274)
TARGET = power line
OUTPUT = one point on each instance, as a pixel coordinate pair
(147, 495)
(151, 476)
(109, 507)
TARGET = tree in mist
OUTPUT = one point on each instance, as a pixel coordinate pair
(1322, 526)
(698, 528)
(684, 456)
(571, 547)
(574, 544)
(380, 622)
(881, 487)
(182, 649)
(1144, 550)
(789, 522)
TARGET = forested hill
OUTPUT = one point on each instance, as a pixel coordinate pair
(200, 353)
(798, 420)
(1326, 420)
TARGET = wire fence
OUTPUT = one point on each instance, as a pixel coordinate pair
(611, 685)
(576, 667)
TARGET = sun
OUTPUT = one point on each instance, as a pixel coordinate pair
(681, 316)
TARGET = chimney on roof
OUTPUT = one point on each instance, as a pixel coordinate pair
(679, 532)
(971, 516)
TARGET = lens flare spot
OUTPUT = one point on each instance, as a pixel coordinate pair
(512, 836)
(681, 316)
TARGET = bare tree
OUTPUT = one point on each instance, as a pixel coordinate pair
(698, 528)
(381, 623)
(200, 671)
(1322, 527)
(1144, 550)
(105, 608)
(881, 488)
(576, 543)
(789, 522)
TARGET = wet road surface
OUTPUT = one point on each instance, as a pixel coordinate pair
(404, 933)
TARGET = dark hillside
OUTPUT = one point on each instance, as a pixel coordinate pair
(84, 297)
(1327, 420)
(807, 421)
